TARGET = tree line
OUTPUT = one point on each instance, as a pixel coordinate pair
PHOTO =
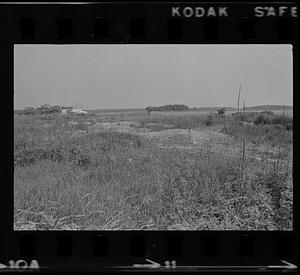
(169, 107)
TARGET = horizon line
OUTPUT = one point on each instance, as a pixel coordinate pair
(138, 108)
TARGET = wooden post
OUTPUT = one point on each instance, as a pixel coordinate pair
(239, 97)
(284, 117)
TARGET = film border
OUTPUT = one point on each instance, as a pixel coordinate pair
(140, 248)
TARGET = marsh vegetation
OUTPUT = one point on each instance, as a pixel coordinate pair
(133, 170)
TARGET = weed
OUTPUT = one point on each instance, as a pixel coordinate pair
(209, 120)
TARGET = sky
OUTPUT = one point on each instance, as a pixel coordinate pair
(136, 76)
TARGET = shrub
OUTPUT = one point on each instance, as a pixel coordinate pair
(209, 120)
(285, 121)
(267, 118)
(270, 113)
(289, 126)
(262, 119)
(28, 156)
(260, 134)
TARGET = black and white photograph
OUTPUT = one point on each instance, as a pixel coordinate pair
(153, 137)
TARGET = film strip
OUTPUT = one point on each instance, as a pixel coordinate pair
(111, 249)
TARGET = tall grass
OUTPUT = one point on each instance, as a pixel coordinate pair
(123, 181)
(278, 173)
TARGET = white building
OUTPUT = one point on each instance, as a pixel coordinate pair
(78, 111)
(66, 110)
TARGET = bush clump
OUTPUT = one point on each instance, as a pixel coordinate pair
(209, 121)
(262, 119)
(285, 121)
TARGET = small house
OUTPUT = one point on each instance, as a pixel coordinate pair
(78, 111)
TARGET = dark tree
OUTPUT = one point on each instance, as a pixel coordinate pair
(149, 109)
(170, 107)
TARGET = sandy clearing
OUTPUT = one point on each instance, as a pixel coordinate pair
(193, 136)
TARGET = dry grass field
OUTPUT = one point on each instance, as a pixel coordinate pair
(160, 171)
